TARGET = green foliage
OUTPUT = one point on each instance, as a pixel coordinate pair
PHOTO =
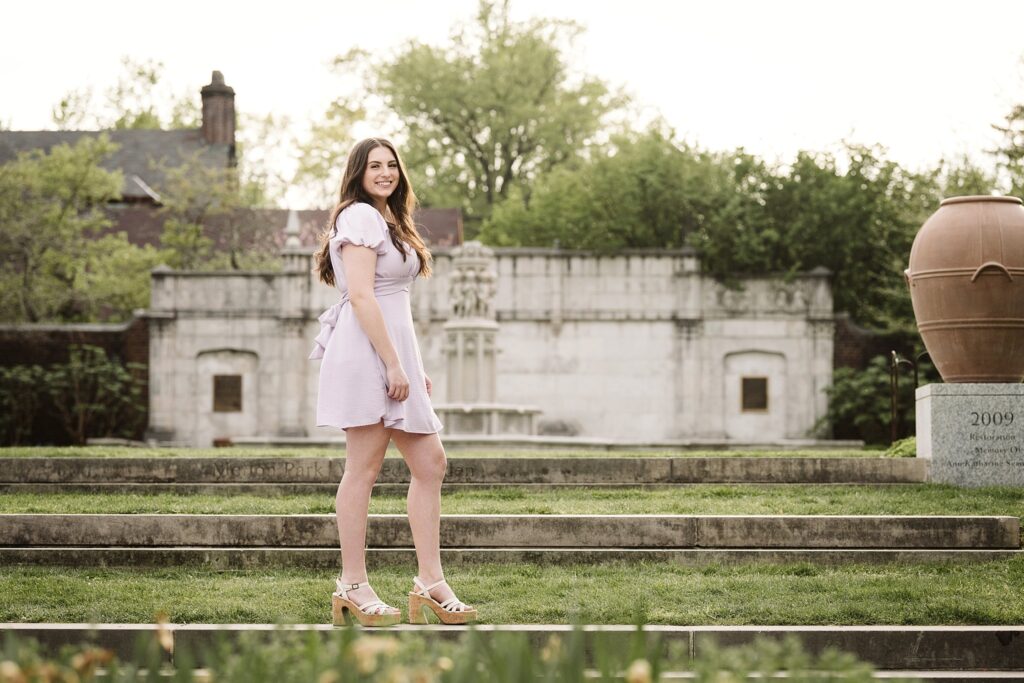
(51, 207)
(322, 155)
(765, 657)
(19, 402)
(858, 222)
(1010, 153)
(259, 145)
(137, 101)
(861, 398)
(856, 215)
(206, 225)
(348, 655)
(491, 109)
(93, 395)
(90, 395)
(904, 448)
(651, 192)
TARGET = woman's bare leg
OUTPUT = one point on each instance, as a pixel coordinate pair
(427, 461)
(364, 453)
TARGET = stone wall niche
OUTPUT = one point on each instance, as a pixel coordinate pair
(751, 415)
(226, 415)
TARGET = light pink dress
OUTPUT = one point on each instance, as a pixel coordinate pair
(353, 388)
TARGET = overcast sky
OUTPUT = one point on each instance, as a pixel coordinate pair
(925, 79)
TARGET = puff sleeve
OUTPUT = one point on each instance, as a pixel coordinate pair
(362, 225)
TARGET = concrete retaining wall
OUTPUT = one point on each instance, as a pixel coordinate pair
(330, 558)
(504, 531)
(596, 470)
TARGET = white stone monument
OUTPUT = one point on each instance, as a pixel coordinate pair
(972, 434)
(470, 352)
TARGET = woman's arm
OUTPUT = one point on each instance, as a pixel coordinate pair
(360, 265)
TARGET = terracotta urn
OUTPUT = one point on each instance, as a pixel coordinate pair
(966, 280)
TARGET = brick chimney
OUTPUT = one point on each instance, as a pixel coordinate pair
(219, 112)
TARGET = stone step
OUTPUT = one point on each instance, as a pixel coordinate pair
(505, 471)
(530, 531)
(256, 557)
(944, 649)
(295, 489)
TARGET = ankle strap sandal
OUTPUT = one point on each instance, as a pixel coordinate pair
(370, 613)
(451, 611)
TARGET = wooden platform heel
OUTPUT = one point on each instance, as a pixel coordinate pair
(451, 611)
(372, 613)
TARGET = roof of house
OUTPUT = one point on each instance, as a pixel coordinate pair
(137, 154)
(438, 227)
(143, 224)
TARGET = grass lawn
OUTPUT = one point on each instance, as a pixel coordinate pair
(705, 499)
(943, 594)
(453, 451)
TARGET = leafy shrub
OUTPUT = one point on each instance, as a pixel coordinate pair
(90, 395)
(19, 402)
(860, 403)
(904, 448)
(350, 655)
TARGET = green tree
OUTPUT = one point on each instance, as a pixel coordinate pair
(646, 190)
(51, 213)
(859, 222)
(493, 108)
(208, 223)
(961, 176)
(321, 156)
(138, 100)
(855, 215)
(1010, 153)
(260, 147)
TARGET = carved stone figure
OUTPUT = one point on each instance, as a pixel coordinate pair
(471, 285)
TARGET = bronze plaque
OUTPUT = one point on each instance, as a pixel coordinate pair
(227, 393)
(755, 393)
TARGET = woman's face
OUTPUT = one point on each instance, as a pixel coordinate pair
(381, 176)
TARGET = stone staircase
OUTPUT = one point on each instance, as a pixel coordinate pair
(273, 476)
(938, 653)
(236, 541)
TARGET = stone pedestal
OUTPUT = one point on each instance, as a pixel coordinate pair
(469, 350)
(972, 434)
(488, 418)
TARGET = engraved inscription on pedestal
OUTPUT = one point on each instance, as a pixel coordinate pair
(973, 433)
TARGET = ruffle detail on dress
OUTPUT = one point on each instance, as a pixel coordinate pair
(362, 225)
(396, 417)
(328, 321)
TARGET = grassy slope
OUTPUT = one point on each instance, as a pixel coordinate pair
(991, 593)
(708, 499)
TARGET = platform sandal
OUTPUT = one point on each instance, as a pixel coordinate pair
(451, 611)
(372, 613)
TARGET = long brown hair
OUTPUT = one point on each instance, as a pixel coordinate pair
(401, 205)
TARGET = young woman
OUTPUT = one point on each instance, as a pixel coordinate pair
(372, 382)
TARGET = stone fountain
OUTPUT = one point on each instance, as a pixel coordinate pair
(470, 350)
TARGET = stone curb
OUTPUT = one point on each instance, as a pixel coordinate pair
(329, 558)
(292, 489)
(913, 648)
(503, 471)
(502, 531)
